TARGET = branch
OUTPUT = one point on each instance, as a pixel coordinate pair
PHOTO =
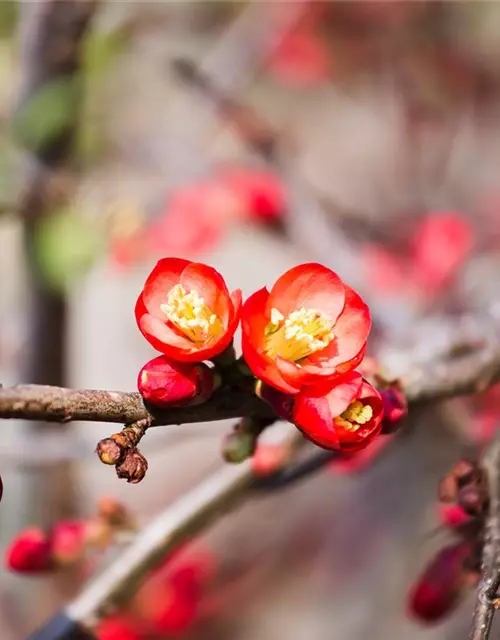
(58, 404)
(490, 578)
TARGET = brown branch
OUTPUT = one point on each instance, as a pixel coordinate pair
(57, 404)
(487, 590)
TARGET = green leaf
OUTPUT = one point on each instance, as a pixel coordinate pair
(66, 245)
(47, 115)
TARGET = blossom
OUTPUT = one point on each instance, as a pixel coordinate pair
(186, 312)
(164, 382)
(30, 552)
(309, 328)
(439, 589)
(346, 416)
(68, 539)
(120, 627)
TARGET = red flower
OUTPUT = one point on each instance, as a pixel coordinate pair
(441, 244)
(186, 312)
(119, 627)
(347, 416)
(68, 539)
(308, 329)
(261, 193)
(438, 590)
(164, 382)
(30, 552)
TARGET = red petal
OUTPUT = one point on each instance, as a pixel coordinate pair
(162, 337)
(311, 286)
(264, 368)
(208, 284)
(164, 276)
(313, 417)
(303, 375)
(351, 332)
(253, 324)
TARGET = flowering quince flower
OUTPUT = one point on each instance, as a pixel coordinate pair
(346, 416)
(439, 589)
(261, 193)
(68, 540)
(165, 382)
(453, 516)
(441, 244)
(30, 552)
(186, 312)
(309, 328)
(120, 627)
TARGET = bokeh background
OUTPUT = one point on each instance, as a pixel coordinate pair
(365, 135)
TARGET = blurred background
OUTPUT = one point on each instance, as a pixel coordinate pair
(251, 136)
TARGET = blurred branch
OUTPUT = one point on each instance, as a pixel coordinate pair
(487, 592)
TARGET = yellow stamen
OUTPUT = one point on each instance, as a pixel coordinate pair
(189, 313)
(356, 415)
(304, 332)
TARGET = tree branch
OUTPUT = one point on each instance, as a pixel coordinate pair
(488, 587)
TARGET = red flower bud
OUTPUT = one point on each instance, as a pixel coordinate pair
(186, 312)
(453, 516)
(165, 383)
(395, 408)
(269, 458)
(119, 627)
(441, 585)
(68, 541)
(30, 552)
(309, 328)
(281, 403)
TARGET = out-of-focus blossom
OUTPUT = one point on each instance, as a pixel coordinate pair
(68, 541)
(30, 552)
(438, 591)
(347, 416)
(301, 59)
(165, 382)
(308, 329)
(120, 627)
(441, 244)
(186, 312)
(269, 458)
(395, 407)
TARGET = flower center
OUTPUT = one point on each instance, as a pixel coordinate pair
(356, 415)
(304, 332)
(189, 313)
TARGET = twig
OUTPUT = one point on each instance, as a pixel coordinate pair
(490, 576)
(57, 404)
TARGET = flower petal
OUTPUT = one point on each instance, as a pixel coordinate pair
(313, 417)
(209, 285)
(303, 375)
(162, 337)
(351, 332)
(164, 276)
(264, 368)
(311, 286)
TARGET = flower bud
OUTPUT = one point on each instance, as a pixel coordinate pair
(30, 552)
(395, 408)
(238, 446)
(473, 499)
(68, 541)
(441, 585)
(109, 451)
(453, 516)
(448, 489)
(119, 627)
(133, 467)
(465, 471)
(165, 383)
(281, 403)
(269, 458)
(113, 511)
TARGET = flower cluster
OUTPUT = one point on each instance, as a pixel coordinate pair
(302, 340)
